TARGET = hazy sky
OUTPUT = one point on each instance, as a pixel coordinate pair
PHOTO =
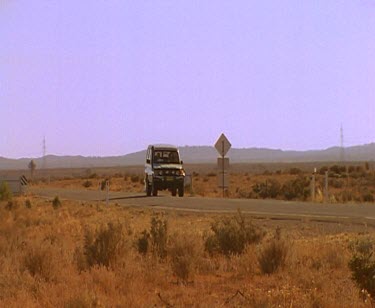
(109, 77)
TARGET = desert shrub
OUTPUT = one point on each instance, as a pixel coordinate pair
(93, 176)
(297, 188)
(40, 262)
(335, 183)
(159, 236)
(183, 251)
(211, 174)
(231, 235)
(241, 193)
(367, 166)
(143, 242)
(273, 254)
(356, 175)
(105, 246)
(359, 169)
(362, 265)
(346, 196)
(103, 184)
(333, 256)
(87, 184)
(322, 170)
(56, 203)
(5, 192)
(10, 205)
(28, 203)
(268, 189)
(368, 197)
(295, 171)
(338, 170)
(134, 178)
(273, 188)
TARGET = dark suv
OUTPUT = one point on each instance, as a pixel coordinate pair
(163, 170)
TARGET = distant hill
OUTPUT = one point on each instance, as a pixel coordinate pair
(200, 154)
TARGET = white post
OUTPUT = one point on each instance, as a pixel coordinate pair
(326, 187)
(313, 187)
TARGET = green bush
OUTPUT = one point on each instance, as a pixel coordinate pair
(298, 188)
(56, 203)
(5, 192)
(105, 246)
(273, 255)
(268, 189)
(362, 265)
(231, 235)
(87, 184)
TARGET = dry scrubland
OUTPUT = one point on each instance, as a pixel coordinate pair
(57, 253)
(353, 183)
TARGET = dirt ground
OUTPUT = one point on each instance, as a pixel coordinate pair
(44, 260)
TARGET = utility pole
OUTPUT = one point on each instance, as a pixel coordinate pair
(44, 153)
(342, 149)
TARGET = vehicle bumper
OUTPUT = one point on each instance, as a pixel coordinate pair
(168, 182)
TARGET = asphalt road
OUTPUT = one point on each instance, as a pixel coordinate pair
(360, 213)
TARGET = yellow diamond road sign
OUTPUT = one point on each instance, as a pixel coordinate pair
(222, 145)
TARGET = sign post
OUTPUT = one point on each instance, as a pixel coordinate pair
(222, 146)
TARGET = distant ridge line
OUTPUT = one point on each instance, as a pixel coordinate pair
(199, 154)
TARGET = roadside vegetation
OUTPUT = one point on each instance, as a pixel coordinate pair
(84, 254)
(353, 183)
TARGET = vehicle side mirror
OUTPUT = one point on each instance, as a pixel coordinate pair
(148, 161)
(182, 162)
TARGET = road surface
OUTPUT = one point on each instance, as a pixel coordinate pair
(360, 213)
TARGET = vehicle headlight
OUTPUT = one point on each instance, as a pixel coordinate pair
(181, 172)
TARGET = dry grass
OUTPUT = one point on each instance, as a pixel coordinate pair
(45, 258)
(277, 181)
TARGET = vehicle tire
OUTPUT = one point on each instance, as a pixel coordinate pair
(181, 191)
(154, 191)
(174, 192)
(148, 188)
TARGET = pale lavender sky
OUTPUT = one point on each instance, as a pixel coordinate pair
(109, 77)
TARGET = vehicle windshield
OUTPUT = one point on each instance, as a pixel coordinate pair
(166, 157)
